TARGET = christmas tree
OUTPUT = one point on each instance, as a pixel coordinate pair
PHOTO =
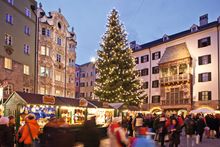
(117, 80)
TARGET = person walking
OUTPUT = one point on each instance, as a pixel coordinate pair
(30, 131)
(12, 130)
(89, 134)
(4, 132)
(116, 134)
(174, 133)
(138, 122)
(162, 129)
(130, 126)
(142, 140)
(190, 129)
(200, 126)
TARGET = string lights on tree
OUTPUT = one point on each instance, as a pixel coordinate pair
(117, 79)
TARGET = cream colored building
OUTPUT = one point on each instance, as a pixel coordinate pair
(56, 55)
(182, 71)
(17, 45)
(87, 80)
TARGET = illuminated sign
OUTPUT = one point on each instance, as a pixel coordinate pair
(48, 99)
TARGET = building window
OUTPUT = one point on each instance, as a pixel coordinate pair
(59, 41)
(83, 75)
(8, 40)
(144, 72)
(137, 60)
(145, 85)
(58, 92)
(82, 94)
(156, 99)
(44, 71)
(71, 62)
(204, 42)
(91, 83)
(48, 33)
(26, 70)
(204, 77)
(8, 89)
(156, 55)
(58, 58)
(8, 63)
(58, 76)
(45, 32)
(11, 2)
(77, 84)
(87, 84)
(144, 58)
(82, 84)
(9, 19)
(26, 30)
(26, 49)
(205, 95)
(45, 51)
(26, 90)
(28, 12)
(155, 84)
(155, 70)
(204, 59)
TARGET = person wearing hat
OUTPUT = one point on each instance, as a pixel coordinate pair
(4, 132)
(142, 139)
(116, 134)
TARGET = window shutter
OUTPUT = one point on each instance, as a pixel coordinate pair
(147, 71)
(153, 56)
(199, 43)
(200, 78)
(209, 40)
(142, 59)
(209, 58)
(200, 96)
(209, 95)
(210, 76)
(147, 58)
(159, 54)
(200, 60)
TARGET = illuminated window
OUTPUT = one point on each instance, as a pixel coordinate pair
(26, 70)
(8, 39)
(27, 12)
(45, 51)
(8, 63)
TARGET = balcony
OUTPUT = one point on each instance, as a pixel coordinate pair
(175, 79)
(45, 80)
(59, 84)
(176, 102)
(45, 60)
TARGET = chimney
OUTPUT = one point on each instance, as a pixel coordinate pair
(203, 20)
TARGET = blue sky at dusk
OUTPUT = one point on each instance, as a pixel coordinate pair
(145, 20)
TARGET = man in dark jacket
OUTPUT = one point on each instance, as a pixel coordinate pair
(190, 129)
(200, 125)
(89, 134)
(4, 132)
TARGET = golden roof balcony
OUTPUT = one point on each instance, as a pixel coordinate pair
(175, 79)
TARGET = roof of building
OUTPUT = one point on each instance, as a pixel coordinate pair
(31, 98)
(86, 64)
(176, 36)
(176, 52)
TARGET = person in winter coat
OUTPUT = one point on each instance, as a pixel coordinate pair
(31, 126)
(138, 122)
(174, 131)
(117, 134)
(190, 129)
(89, 134)
(130, 126)
(200, 125)
(4, 132)
(12, 130)
(162, 129)
(143, 140)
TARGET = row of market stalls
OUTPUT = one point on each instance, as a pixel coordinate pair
(75, 111)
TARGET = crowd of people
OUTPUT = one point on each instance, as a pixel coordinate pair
(131, 131)
(158, 129)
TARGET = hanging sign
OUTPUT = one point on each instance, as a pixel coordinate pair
(83, 102)
(48, 99)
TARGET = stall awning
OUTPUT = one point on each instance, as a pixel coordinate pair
(176, 52)
(30, 98)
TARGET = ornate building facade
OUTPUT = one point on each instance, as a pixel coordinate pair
(17, 46)
(56, 55)
(181, 72)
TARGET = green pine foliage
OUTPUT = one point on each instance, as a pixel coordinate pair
(117, 80)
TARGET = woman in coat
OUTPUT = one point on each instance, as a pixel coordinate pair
(174, 131)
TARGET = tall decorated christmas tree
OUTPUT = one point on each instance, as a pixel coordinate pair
(117, 80)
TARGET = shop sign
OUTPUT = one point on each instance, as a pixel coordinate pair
(48, 99)
(83, 102)
(105, 105)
